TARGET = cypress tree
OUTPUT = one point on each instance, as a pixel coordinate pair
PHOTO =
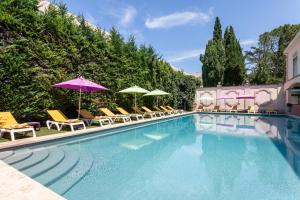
(213, 59)
(235, 69)
(217, 35)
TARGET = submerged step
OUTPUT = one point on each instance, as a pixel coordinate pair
(6, 154)
(18, 157)
(56, 155)
(68, 163)
(37, 157)
(61, 186)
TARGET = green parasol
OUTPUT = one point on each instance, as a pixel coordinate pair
(134, 90)
(157, 93)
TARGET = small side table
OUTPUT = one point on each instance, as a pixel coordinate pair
(36, 125)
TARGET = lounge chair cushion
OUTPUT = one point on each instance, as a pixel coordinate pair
(16, 126)
(72, 120)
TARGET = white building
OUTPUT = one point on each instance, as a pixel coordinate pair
(292, 84)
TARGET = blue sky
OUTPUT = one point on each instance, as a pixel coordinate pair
(180, 29)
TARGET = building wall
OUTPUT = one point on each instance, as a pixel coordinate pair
(292, 80)
(266, 97)
(293, 51)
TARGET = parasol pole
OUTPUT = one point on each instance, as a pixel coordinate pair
(135, 102)
(79, 102)
(157, 101)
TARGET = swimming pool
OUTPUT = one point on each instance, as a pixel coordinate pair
(198, 156)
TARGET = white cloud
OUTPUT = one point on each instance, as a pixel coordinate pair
(128, 16)
(248, 42)
(178, 19)
(186, 55)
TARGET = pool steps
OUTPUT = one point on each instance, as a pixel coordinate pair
(55, 157)
(58, 168)
(35, 159)
(75, 175)
(6, 154)
(67, 164)
(19, 157)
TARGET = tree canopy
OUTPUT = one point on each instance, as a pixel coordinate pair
(267, 61)
(39, 49)
(235, 68)
(223, 61)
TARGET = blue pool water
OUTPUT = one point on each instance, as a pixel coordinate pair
(191, 157)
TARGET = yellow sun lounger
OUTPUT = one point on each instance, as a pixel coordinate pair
(107, 112)
(159, 113)
(145, 114)
(89, 118)
(60, 120)
(251, 109)
(124, 112)
(165, 109)
(8, 124)
(178, 110)
(168, 112)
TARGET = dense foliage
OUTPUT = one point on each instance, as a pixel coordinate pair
(235, 68)
(223, 61)
(213, 59)
(40, 49)
(267, 61)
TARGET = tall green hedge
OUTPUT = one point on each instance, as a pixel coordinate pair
(39, 49)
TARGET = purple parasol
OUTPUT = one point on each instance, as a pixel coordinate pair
(80, 84)
(245, 97)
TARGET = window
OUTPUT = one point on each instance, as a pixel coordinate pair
(295, 65)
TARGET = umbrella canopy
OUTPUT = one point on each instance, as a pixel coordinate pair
(245, 97)
(134, 90)
(80, 84)
(156, 93)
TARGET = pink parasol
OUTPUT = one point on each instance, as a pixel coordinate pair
(80, 84)
(245, 97)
